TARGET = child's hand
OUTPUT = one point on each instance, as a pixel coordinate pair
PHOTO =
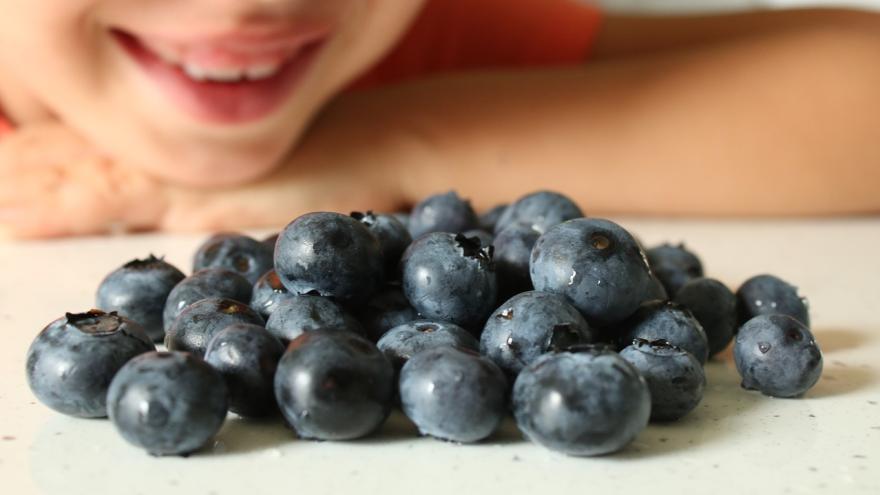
(53, 183)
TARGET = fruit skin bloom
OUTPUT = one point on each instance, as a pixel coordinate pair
(777, 355)
(586, 402)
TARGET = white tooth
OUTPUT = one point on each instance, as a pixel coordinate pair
(194, 72)
(224, 75)
(218, 75)
(258, 72)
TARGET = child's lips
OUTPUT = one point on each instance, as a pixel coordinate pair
(226, 80)
(232, 51)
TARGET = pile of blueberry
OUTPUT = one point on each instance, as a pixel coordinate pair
(458, 319)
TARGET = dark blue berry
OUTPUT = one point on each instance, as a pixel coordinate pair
(211, 282)
(239, 253)
(304, 313)
(596, 265)
(168, 403)
(442, 213)
(659, 320)
(405, 341)
(584, 403)
(769, 295)
(450, 278)
(513, 249)
(486, 239)
(490, 217)
(402, 217)
(453, 394)
(530, 325)
(268, 293)
(270, 240)
(777, 355)
(334, 386)
(714, 306)
(393, 238)
(656, 291)
(247, 356)
(539, 210)
(675, 377)
(386, 310)
(674, 266)
(71, 362)
(200, 321)
(330, 254)
(138, 291)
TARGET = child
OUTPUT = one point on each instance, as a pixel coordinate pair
(211, 114)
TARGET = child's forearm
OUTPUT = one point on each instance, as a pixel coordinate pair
(631, 138)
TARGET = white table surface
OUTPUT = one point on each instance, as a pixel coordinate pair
(736, 442)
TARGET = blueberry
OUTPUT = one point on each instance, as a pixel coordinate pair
(453, 394)
(248, 257)
(334, 386)
(211, 282)
(539, 210)
(402, 217)
(331, 254)
(513, 248)
(200, 321)
(451, 278)
(442, 213)
(168, 403)
(268, 293)
(596, 265)
(584, 403)
(304, 313)
(404, 341)
(714, 306)
(675, 377)
(663, 320)
(71, 362)
(138, 291)
(247, 356)
(766, 295)
(777, 355)
(530, 325)
(386, 310)
(656, 291)
(490, 217)
(486, 239)
(271, 239)
(393, 238)
(674, 266)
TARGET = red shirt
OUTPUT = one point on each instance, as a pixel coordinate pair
(451, 35)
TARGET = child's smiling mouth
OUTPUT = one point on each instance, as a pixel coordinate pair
(233, 78)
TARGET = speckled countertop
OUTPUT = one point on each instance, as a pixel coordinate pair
(736, 441)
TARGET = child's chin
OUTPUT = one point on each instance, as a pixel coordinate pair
(216, 173)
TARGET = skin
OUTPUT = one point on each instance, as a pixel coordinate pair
(86, 152)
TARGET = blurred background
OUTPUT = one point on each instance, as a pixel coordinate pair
(720, 5)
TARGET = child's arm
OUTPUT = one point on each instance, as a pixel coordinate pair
(770, 124)
(757, 122)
